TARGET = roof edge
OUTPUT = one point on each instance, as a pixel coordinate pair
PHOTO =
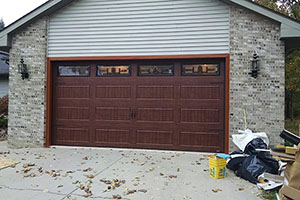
(47, 8)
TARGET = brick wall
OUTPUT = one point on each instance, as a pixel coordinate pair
(26, 125)
(262, 98)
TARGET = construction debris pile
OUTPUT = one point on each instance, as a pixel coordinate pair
(269, 168)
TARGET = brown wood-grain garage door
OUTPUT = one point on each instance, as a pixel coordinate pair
(158, 104)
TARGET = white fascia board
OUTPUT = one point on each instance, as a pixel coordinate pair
(3, 41)
(4, 33)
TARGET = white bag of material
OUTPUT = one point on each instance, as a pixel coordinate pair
(244, 137)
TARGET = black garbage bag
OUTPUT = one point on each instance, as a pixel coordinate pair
(256, 164)
(256, 143)
(236, 160)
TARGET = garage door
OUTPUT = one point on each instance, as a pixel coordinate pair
(157, 104)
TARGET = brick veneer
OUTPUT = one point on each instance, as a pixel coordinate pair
(26, 125)
(262, 98)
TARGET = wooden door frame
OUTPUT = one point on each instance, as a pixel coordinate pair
(49, 85)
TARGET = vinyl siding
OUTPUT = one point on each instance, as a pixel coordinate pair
(139, 27)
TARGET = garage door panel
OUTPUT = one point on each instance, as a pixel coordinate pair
(200, 92)
(72, 134)
(113, 92)
(199, 139)
(155, 114)
(112, 136)
(155, 137)
(200, 115)
(112, 114)
(72, 113)
(73, 92)
(155, 92)
(203, 127)
(200, 104)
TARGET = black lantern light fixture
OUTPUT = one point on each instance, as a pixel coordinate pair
(22, 69)
(255, 66)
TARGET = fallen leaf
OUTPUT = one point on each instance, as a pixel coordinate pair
(241, 189)
(161, 174)
(75, 182)
(178, 169)
(142, 190)
(28, 165)
(85, 158)
(131, 191)
(216, 190)
(116, 196)
(81, 187)
(60, 186)
(40, 170)
(87, 194)
(151, 169)
(172, 176)
(90, 176)
(27, 170)
(87, 169)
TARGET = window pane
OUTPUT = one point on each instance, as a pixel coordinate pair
(156, 70)
(200, 69)
(118, 70)
(73, 70)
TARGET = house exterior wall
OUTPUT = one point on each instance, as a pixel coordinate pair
(261, 98)
(133, 28)
(26, 124)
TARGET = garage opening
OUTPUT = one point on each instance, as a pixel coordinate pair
(151, 104)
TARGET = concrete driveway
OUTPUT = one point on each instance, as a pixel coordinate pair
(95, 173)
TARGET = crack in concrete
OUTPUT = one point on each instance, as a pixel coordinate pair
(34, 190)
(95, 177)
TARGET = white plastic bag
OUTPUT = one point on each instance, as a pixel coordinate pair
(244, 137)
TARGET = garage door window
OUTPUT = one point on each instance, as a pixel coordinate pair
(74, 71)
(156, 70)
(200, 70)
(117, 70)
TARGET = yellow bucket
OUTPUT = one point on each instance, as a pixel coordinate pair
(217, 167)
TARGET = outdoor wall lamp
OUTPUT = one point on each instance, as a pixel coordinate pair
(22, 69)
(255, 66)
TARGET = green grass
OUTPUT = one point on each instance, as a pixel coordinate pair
(268, 195)
(292, 125)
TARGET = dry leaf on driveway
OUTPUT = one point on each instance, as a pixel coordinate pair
(216, 190)
(142, 190)
(117, 196)
(28, 165)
